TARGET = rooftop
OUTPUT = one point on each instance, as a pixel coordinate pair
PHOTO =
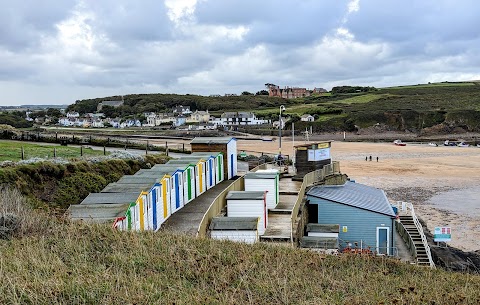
(234, 223)
(245, 195)
(355, 195)
(110, 198)
(212, 140)
(261, 175)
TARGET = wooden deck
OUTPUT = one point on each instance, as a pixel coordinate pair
(279, 219)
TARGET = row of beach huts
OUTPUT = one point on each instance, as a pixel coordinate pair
(145, 200)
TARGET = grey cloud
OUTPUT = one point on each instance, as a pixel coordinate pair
(22, 23)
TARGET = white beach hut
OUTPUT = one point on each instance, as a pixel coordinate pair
(248, 204)
(264, 181)
(240, 229)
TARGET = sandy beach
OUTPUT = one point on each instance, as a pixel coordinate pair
(442, 182)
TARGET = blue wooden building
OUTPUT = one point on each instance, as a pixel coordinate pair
(363, 213)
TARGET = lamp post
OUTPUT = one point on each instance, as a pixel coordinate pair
(282, 108)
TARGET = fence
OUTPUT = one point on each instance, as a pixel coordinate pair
(309, 180)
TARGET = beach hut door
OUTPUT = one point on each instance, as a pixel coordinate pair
(383, 240)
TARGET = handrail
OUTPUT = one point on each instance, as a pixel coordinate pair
(310, 179)
(405, 206)
(219, 202)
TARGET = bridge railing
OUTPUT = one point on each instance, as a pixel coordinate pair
(309, 180)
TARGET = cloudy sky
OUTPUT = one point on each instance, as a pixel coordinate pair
(58, 51)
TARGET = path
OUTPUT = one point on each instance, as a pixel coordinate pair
(280, 219)
(187, 219)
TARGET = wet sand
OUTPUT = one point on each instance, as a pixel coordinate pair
(420, 174)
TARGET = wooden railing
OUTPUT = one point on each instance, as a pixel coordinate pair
(309, 180)
(407, 238)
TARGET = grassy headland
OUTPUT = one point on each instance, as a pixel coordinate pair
(83, 264)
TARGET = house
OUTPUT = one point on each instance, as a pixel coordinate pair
(287, 92)
(73, 115)
(199, 117)
(319, 90)
(180, 109)
(238, 119)
(307, 118)
(98, 123)
(179, 121)
(114, 104)
(363, 214)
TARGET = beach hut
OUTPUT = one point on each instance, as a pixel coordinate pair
(248, 204)
(240, 229)
(199, 174)
(165, 179)
(178, 179)
(188, 178)
(264, 181)
(362, 213)
(226, 145)
(101, 207)
(213, 160)
(158, 200)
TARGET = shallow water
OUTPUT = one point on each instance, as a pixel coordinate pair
(464, 201)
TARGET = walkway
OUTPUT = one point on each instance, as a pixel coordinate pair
(187, 219)
(279, 219)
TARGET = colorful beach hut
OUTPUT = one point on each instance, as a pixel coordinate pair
(214, 167)
(226, 145)
(264, 181)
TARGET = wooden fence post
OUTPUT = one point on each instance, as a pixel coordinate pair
(23, 154)
(54, 152)
(81, 151)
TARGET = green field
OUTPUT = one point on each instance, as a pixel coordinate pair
(12, 151)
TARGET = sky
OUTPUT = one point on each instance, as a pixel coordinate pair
(59, 51)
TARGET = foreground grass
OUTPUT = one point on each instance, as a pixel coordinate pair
(12, 151)
(77, 264)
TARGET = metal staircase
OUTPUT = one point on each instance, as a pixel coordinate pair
(416, 240)
(412, 233)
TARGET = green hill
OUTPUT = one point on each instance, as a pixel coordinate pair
(446, 106)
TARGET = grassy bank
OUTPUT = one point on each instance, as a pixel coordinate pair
(81, 264)
(12, 151)
(57, 186)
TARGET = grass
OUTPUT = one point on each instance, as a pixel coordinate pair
(445, 84)
(12, 151)
(83, 264)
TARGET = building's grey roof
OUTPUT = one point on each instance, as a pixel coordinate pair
(181, 162)
(97, 212)
(132, 179)
(245, 195)
(171, 167)
(212, 140)
(110, 198)
(316, 242)
(127, 187)
(355, 195)
(158, 172)
(203, 154)
(260, 176)
(323, 228)
(234, 223)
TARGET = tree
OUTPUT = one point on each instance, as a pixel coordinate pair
(53, 112)
(262, 92)
(246, 93)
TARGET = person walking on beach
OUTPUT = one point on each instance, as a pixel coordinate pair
(370, 158)
(366, 158)
(377, 159)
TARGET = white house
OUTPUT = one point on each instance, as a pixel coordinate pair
(73, 115)
(307, 118)
(238, 118)
(180, 109)
(283, 121)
